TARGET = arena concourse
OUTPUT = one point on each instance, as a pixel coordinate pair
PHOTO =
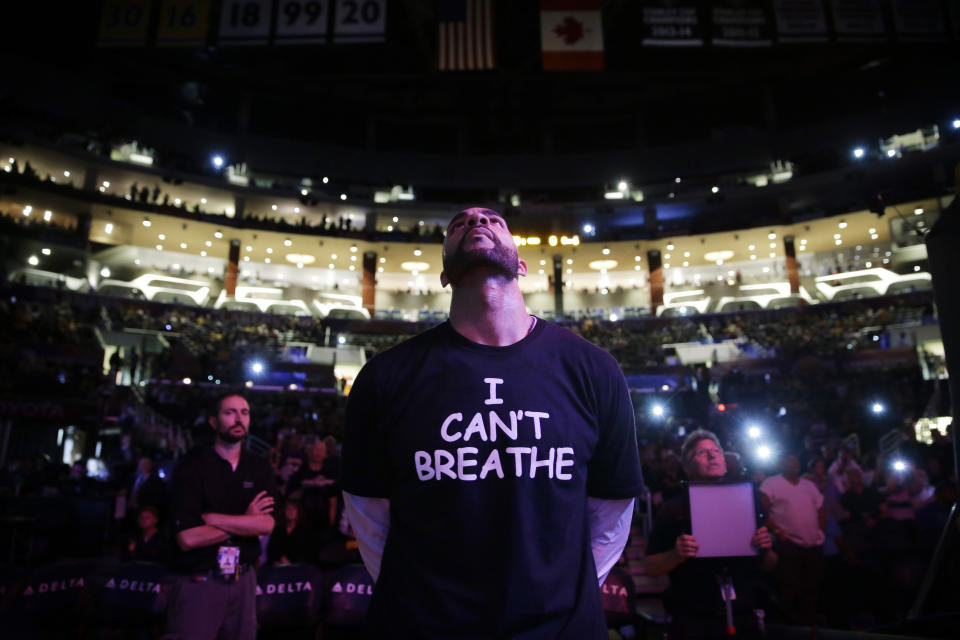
(743, 221)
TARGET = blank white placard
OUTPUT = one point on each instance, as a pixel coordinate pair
(723, 519)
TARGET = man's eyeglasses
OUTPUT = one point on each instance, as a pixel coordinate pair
(703, 453)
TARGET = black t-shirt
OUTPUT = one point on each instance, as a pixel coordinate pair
(694, 589)
(487, 455)
(865, 504)
(206, 483)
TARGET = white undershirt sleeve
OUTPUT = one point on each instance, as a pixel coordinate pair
(370, 520)
(609, 530)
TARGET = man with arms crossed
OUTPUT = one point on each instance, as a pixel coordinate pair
(490, 463)
(694, 598)
(222, 501)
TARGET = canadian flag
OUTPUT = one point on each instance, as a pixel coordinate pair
(571, 32)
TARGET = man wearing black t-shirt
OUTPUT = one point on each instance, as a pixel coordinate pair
(490, 463)
(222, 500)
(695, 599)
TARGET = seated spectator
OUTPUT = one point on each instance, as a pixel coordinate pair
(694, 598)
(149, 545)
(291, 542)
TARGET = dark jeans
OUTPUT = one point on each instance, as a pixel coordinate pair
(212, 609)
(799, 574)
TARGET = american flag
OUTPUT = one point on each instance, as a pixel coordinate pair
(465, 35)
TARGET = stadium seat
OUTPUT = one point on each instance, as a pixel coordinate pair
(134, 594)
(288, 599)
(347, 598)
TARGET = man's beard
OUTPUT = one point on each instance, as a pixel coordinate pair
(229, 437)
(500, 258)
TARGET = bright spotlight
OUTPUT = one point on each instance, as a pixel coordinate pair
(217, 161)
(105, 272)
(877, 408)
(899, 466)
(657, 410)
(956, 124)
(257, 367)
(764, 452)
(891, 153)
(858, 153)
(588, 228)
(754, 431)
(341, 340)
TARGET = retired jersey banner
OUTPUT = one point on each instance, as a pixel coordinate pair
(183, 23)
(301, 22)
(740, 23)
(360, 21)
(465, 35)
(858, 20)
(919, 20)
(123, 23)
(800, 21)
(571, 34)
(671, 24)
(245, 22)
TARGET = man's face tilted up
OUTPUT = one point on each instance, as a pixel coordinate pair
(705, 462)
(479, 237)
(232, 422)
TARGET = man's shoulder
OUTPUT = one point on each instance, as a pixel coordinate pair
(568, 343)
(402, 352)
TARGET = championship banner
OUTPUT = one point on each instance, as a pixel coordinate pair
(183, 23)
(918, 20)
(465, 35)
(800, 21)
(671, 24)
(953, 13)
(740, 23)
(858, 20)
(302, 21)
(123, 23)
(571, 34)
(360, 21)
(245, 22)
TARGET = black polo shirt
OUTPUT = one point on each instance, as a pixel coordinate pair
(204, 482)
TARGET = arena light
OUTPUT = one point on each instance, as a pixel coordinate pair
(754, 431)
(588, 228)
(108, 228)
(105, 272)
(217, 161)
(764, 452)
(899, 465)
(877, 408)
(553, 241)
(858, 153)
(256, 367)
(33, 261)
(657, 410)
(956, 123)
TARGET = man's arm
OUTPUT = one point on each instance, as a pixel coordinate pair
(609, 530)
(202, 536)
(370, 520)
(658, 564)
(245, 525)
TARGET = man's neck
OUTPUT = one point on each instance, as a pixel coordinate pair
(229, 451)
(489, 310)
(792, 479)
